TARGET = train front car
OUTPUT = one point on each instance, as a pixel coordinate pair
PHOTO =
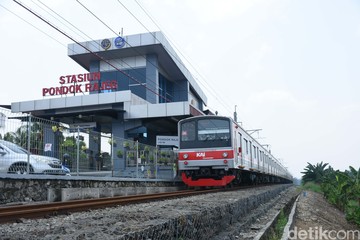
(206, 153)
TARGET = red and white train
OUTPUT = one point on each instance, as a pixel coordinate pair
(216, 151)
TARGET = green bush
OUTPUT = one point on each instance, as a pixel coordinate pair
(342, 189)
(353, 212)
(312, 186)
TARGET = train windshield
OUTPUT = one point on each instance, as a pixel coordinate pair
(204, 133)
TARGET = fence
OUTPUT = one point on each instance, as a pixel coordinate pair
(33, 145)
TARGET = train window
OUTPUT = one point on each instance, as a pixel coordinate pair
(205, 132)
(188, 132)
(213, 129)
(241, 145)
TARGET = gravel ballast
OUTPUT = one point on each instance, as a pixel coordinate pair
(196, 217)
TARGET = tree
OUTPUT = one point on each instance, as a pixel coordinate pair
(20, 137)
(68, 148)
(314, 173)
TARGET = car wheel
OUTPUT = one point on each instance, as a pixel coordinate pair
(20, 168)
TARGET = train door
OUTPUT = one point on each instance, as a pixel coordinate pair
(240, 148)
(258, 158)
(235, 144)
(263, 159)
(241, 151)
(246, 153)
(251, 155)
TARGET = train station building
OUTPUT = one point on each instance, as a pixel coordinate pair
(134, 87)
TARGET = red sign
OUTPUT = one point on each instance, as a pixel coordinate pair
(80, 83)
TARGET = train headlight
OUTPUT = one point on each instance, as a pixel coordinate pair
(185, 156)
(225, 154)
(225, 161)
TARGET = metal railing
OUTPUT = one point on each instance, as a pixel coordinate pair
(82, 151)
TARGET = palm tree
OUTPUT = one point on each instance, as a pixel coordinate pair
(314, 173)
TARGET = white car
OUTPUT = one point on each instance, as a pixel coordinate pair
(14, 159)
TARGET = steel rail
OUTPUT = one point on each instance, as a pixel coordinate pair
(18, 212)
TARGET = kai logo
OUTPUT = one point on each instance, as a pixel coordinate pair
(200, 154)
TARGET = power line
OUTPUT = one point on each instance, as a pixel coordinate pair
(176, 57)
(95, 54)
(203, 84)
(133, 15)
(99, 19)
(90, 38)
(92, 43)
(93, 14)
(96, 17)
(33, 25)
(64, 20)
(150, 80)
(125, 63)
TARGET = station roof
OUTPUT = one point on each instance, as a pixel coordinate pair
(104, 107)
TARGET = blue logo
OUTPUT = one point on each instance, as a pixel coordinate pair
(119, 42)
(105, 44)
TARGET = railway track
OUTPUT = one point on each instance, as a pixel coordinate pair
(212, 216)
(18, 212)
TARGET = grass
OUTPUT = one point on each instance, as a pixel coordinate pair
(279, 227)
(311, 186)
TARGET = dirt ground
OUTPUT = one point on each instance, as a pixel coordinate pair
(317, 219)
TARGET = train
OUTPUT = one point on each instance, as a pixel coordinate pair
(215, 151)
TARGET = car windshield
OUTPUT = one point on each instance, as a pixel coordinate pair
(13, 147)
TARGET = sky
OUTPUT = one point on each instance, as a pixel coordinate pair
(289, 68)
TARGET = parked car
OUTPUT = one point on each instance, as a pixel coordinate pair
(14, 159)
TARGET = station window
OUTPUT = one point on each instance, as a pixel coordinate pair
(166, 90)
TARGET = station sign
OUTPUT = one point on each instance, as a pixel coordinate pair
(80, 83)
(167, 141)
(85, 125)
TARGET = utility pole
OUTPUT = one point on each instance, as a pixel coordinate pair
(235, 115)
